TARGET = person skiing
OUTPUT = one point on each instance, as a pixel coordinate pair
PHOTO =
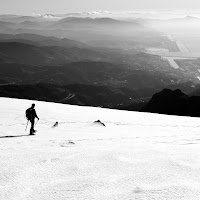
(31, 115)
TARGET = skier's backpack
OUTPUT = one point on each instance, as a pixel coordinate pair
(28, 114)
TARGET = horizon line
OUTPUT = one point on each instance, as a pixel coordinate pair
(143, 11)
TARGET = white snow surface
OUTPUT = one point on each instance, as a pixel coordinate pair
(137, 156)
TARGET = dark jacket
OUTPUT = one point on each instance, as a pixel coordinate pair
(32, 114)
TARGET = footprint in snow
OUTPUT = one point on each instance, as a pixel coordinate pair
(137, 190)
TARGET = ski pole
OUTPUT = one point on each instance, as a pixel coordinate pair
(36, 122)
(26, 125)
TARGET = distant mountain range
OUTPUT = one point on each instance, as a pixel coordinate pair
(111, 14)
(75, 28)
(96, 31)
(85, 60)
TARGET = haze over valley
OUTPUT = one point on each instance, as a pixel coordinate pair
(107, 59)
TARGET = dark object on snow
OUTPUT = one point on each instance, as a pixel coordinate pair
(31, 115)
(99, 122)
(55, 125)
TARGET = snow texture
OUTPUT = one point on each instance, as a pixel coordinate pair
(137, 156)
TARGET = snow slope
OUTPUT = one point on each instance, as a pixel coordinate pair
(137, 156)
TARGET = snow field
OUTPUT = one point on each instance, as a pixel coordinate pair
(138, 156)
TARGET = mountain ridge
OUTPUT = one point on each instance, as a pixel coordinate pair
(173, 102)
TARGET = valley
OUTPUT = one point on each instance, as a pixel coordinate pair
(101, 62)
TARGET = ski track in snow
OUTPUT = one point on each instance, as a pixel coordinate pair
(137, 156)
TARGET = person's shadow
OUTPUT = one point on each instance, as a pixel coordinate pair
(13, 136)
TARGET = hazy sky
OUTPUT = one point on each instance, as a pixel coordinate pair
(65, 6)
